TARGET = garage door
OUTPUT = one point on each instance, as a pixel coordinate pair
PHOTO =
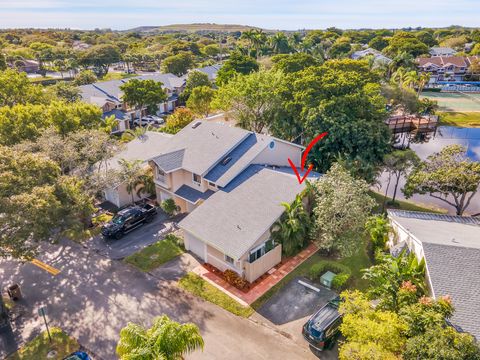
(194, 245)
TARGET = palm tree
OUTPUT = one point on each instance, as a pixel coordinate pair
(279, 43)
(410, 79)
(398, 77)
(132, 175)
(139, 133)
(292, 228)
(165, 340)
(423, 80)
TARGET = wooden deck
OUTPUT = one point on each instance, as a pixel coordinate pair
(407, 123)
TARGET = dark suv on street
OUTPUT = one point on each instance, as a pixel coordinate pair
(128, 219)
(322, 329)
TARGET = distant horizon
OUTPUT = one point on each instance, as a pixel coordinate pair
(267, 14)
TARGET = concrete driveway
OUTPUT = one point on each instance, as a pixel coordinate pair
(291, 307)
(136, 240)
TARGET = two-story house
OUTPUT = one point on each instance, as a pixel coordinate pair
(232, 183)
(445, 68)
(108, 96)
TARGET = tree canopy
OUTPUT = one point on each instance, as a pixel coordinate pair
(144, 93)
(236, 64)
(448, 175)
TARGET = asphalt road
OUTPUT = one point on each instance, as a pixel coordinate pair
(93, 297)
(135, 240)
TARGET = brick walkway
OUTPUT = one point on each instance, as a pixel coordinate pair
(262, 284)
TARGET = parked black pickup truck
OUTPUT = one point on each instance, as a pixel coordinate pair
(128, 219)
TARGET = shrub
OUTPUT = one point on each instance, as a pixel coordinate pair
(342, 272)
(234, 279)
(170, 207)
(177, 240)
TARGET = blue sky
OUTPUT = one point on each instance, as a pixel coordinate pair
(279, 14)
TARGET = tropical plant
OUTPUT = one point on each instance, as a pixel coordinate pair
(378, 228)
(291, 230)
(132, 174)
(200, 100)
(165, 340)
(390, 274)
(169, 206)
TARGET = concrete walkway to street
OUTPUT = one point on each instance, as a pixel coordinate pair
(93, 297)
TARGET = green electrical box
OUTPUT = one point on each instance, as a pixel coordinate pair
(327, 278)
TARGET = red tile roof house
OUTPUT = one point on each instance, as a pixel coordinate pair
(232, 183)
(445, 68)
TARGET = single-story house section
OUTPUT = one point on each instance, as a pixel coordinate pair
(231, 230)
(137, 149)
(451, 248)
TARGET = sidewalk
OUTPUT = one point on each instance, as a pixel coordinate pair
(262, 284)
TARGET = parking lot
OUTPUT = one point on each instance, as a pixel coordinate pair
(291, 307)
(135, 240)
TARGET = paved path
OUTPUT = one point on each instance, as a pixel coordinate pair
(93, 297)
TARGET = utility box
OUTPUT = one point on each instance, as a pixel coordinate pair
(14, 292)
(327, 278)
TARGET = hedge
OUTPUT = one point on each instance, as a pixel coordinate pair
(343, 273)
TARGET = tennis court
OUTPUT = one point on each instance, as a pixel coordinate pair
(455, 102)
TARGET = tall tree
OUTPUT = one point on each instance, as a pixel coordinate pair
(178, 64)
(338, 227)
(100, 57)
(143, 93)
(236, 64)
(200, 100)
(166, 339)
(396, 164)
(15, 88)
(253, 100)
(448, 175)
(36, 203)
(178, 120)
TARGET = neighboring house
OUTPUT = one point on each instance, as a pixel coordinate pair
(80, 45)
(211, 71)
(108, 96)
(379, 58)
(442, 51)
(232, 183)
(450, 246)
(441, 68)
(137, 149)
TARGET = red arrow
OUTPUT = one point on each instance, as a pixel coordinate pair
(304, 159)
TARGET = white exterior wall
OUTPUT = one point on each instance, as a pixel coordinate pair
(279, 155)
(195, 245)
(120, 197)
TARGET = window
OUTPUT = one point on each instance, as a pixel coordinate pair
(261, 250)
(211, 184)
(197, 179)
(229, 259)
(160, 175)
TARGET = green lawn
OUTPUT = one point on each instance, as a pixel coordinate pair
(356, 263)
(117, 76)
(404, 205)
(39, 347)
(201, 288)
(157, 254)
(460, 119)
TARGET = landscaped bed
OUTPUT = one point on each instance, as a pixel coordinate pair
(39, 347)
(157, 254)
(194, 284)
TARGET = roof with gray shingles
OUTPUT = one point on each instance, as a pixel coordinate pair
(99, 92)
(190, 194)
(119, 114)
(203, 146)
(140, 149)
(235, 217)
(240, 158)
(451, 246)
